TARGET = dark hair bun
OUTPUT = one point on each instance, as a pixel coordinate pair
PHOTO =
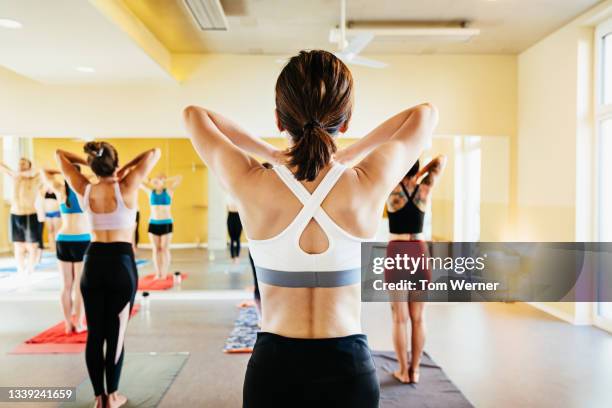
(102, 157)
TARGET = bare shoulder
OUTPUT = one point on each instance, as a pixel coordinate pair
(259, 185)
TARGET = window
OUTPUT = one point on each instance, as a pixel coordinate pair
(603, 126)
(467, 189)
(606, 69)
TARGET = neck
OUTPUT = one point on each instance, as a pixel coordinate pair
(108, 179)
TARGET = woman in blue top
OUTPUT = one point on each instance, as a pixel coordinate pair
(71, 242)
(160, 190)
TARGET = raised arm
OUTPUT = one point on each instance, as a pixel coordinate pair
(66, 160)
(135, 172)
(432, 171)
(382, 133)
(48, 177)
(145, 187)
(173, 182)
(389, 161)
(243, 139)
(7, 170)
(225, 159)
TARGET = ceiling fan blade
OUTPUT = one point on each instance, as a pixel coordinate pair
(366, 62)
(358, 43)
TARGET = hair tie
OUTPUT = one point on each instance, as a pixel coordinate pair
(100, 152)
(311, 125)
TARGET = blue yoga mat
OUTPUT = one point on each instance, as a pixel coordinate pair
(50, 260)
(243, 335)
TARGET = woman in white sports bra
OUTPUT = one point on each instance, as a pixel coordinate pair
(305, 220)
(109, 277)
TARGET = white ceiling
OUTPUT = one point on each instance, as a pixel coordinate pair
(59, 35)
(284, 26)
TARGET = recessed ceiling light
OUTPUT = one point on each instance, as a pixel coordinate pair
(7, 23)
(88, 70)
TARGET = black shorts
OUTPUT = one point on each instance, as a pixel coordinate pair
(160, 229)
(71, 251)
(25, 228)
(335, 372)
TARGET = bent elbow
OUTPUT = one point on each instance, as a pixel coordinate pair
(428, 115)
(190, 112)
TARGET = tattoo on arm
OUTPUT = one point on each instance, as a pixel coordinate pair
(397, 199)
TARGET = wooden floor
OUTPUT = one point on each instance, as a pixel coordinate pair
(499, 355)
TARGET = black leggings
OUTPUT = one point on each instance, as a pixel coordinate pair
(234, 227)
(288, 372)
(108, 286)
(256, 294)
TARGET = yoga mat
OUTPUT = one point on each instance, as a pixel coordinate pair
(434, 389)
(243, 335)
(50, 260)
(55, 340)
(145, 378)
(44, 264)
(142, 262)
(148, 282)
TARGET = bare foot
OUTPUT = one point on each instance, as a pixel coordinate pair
(404, 378)
(68, 327)
(100, 401)
(414, 375)
(80, 328)
(116, 400)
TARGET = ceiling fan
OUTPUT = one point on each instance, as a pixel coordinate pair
(348, 51)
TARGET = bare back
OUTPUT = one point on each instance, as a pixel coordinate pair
(267, 210)
(25, 190)
(102, 200)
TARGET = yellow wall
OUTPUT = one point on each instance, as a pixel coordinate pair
(178, 157)
(476, 95)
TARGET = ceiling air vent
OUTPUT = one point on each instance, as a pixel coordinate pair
(208, 14)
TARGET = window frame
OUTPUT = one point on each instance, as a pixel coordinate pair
(603, 112)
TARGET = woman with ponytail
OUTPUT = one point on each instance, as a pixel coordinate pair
(305, 220)
(109, 277)
(72, 240)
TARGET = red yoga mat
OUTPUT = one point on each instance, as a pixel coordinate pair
(149, 282)
(55, 340)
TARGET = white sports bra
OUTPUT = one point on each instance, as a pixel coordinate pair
(280, 261)
(122, 217)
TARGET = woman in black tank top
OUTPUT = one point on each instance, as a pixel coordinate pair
(406, 211)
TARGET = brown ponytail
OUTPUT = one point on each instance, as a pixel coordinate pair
(102, 157)
(314, 100)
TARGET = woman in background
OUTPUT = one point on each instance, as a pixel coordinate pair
(160, 190)
(72, 241)
(234, 228)
(406, 208)
(39, 205)
(52, 216)
(109, 275)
